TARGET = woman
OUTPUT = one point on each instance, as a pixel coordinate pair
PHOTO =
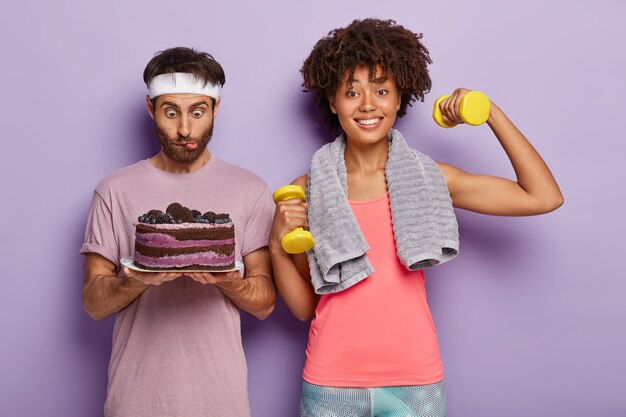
(372, 345)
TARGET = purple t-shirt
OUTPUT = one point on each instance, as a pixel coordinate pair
(177, 348)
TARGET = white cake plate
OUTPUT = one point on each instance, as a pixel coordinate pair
(130, 263)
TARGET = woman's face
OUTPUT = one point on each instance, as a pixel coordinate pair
(366, 109)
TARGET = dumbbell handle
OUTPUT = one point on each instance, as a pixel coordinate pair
(298, 240)
(474, 109)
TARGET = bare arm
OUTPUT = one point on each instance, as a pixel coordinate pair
(254, 292)
(104, 293)
(535, 191)
(291, 272)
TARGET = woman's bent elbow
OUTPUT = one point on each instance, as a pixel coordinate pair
(303, 315)
(554, 203)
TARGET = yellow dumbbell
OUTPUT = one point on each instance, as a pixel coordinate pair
(298, 240)
(474, 109)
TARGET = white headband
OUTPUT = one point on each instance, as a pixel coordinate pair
(181, 82)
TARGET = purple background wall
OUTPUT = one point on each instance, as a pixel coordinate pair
(531, 316)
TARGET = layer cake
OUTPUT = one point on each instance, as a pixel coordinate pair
(183, 239)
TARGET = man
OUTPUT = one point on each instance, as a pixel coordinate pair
(176, 342)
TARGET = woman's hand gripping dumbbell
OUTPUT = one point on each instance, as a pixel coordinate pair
(291, 209)
(462, 106)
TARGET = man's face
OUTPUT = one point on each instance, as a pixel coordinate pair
(184, 124)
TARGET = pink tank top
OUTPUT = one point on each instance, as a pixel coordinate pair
(378, 332)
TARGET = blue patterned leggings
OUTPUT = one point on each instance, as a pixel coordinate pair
(401, 401)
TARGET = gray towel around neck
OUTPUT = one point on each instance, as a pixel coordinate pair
(424, 224)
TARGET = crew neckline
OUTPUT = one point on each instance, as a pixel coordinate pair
(205, 167)
(373, 200)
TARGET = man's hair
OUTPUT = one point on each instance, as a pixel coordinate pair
(367, 43)
(181, 59)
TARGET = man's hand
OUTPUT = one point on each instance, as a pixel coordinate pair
(104, 293)
(150, 278)
(255, 293)
(215, 278)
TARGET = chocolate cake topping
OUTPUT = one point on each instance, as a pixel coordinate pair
(176, 213)
(173, 207)
(179, 212)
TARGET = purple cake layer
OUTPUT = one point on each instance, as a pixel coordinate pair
(195, 260)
